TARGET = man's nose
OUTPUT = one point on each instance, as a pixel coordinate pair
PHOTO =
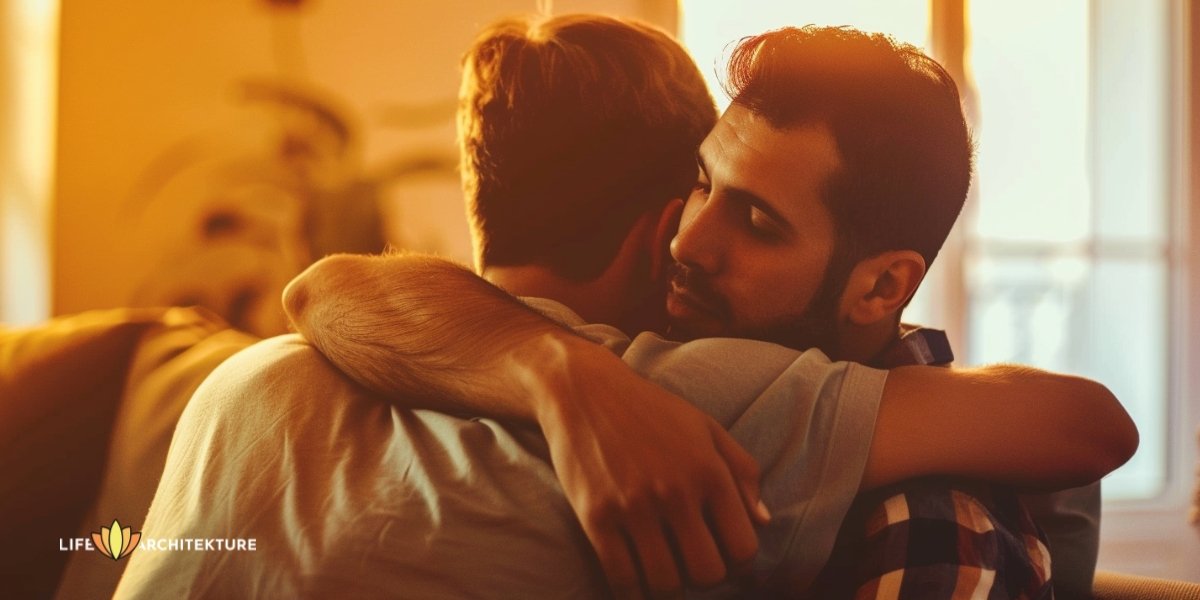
(698, 243)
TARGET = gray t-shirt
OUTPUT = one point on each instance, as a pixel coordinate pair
(347, 496)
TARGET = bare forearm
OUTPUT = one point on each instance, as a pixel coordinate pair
(426, 333)
(1004, 423)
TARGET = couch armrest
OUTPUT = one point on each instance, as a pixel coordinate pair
(61, 384)
(1123, 586)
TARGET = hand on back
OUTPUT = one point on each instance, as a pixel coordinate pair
(662, 491)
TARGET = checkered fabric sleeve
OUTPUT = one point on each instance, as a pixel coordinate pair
(938, 540)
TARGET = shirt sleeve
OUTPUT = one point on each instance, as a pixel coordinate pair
(1071, 520)
(808, 422)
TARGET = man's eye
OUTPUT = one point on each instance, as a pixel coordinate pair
(763, 226)
(702, 187)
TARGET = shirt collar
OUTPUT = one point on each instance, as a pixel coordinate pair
(917, 346)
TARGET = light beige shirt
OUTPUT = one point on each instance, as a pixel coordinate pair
(347, 496)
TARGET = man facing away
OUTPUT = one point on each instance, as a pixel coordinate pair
(575, 140)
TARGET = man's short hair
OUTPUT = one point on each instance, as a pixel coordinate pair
(897, 119)
(569, 129)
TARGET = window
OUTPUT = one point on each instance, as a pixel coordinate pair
(1067, 251)
(28, 70)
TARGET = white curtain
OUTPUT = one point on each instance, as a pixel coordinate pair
(28, 65)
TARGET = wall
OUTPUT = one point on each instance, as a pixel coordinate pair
(197, 140)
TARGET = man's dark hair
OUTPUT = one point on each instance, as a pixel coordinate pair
(570, 129)
(897, 119)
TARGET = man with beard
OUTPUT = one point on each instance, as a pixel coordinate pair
(576, 134)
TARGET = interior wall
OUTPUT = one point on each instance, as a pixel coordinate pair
(195, 138)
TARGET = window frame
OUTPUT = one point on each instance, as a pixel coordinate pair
(1142, 535)
(1157, 526)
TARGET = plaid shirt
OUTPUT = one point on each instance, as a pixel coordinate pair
(935, 538)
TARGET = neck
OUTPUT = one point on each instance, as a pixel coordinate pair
(612, 298)
(588, 299)
(864, 344)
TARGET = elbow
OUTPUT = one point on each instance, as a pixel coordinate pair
(295, 298)
(303, 293)
(1125, 437)
(1115, 438)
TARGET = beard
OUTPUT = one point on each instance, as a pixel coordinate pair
(816, 326)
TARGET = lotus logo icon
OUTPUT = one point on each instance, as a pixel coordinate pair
(115, 542)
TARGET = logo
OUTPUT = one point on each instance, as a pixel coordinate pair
(116, 542)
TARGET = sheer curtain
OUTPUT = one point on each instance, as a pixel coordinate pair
(28, 73)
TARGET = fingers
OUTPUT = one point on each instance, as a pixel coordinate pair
(659, 519)
(655, 576)
(732, 525)
(640, 560)
(744, 470)
(617, 562)
(696, 553)
(658, 563)
(697, 548)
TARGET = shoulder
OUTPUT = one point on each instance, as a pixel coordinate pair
(724, 377)
(272, 361)
(278, 375)
(726, 358)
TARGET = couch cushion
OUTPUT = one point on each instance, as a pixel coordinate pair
(60, 389)
(166, 368)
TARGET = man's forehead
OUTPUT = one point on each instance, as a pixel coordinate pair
(782, 165)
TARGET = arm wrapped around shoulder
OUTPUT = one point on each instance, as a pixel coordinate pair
(1005, 423)
(425, 331)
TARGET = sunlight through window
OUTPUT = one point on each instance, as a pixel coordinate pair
(28, 73)
(1068, 251)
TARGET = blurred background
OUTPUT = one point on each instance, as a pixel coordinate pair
(205, 152)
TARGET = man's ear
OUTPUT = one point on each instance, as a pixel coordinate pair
(664, 231)
(881, 285)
